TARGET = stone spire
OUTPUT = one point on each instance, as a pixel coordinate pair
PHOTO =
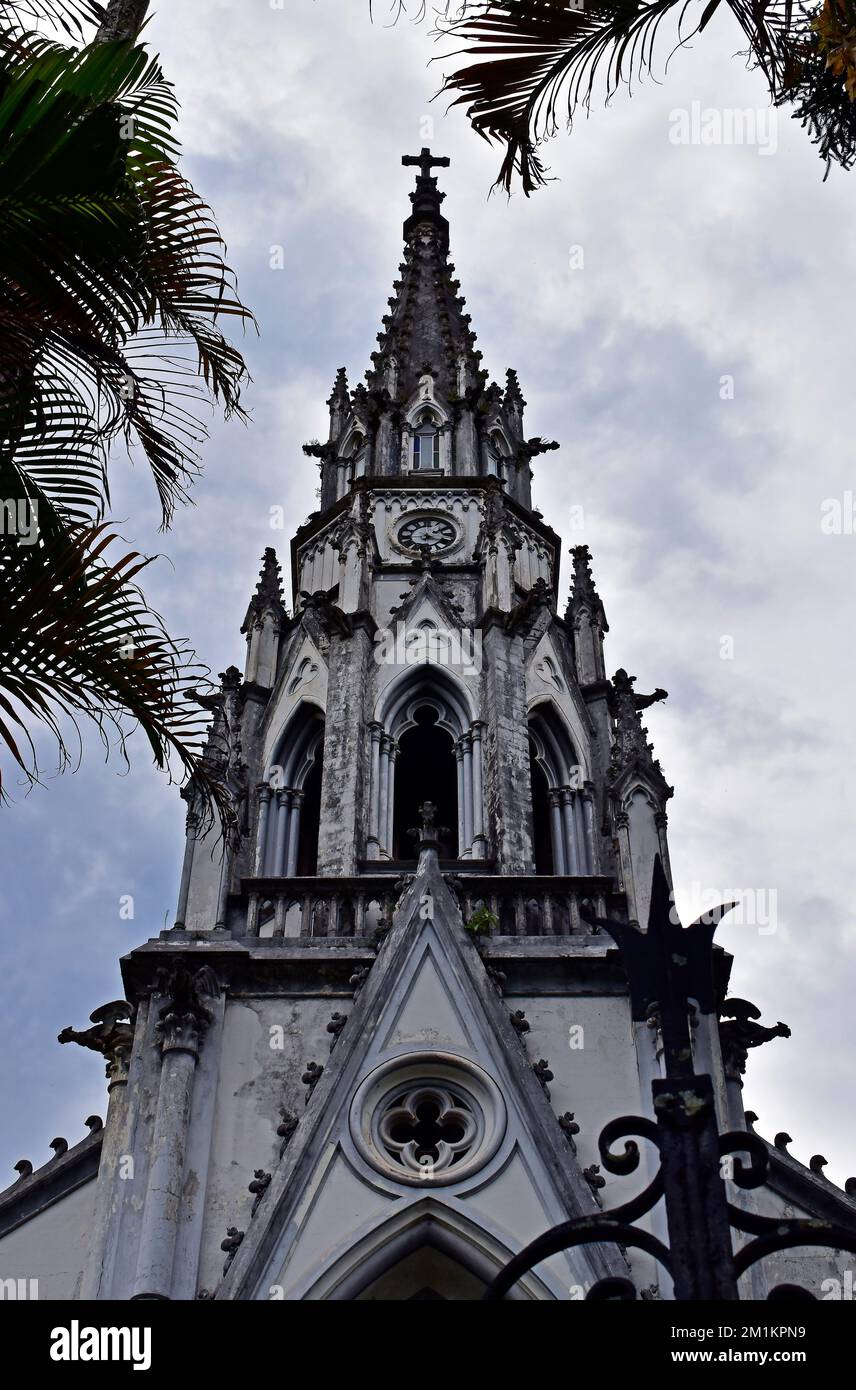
(339, 402)
(265, 619)
(426, 329)
(631, 751)
(586, 615)
(583, 591)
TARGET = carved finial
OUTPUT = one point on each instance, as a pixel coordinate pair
(850, 1187)
(286, 1129)
(583, 581)
(94, 1123)
(340, 394)
(569, 1128)
(23, 1168)
(782, 1140)
(519, 1022)
(230, 1245)
(542, 1070)
(817, 1163)
(513, 395)
(359, 977)
(429, 833)
(497, 977)
(59, 1146)
(593, 1177)
(311, 1077)
(259, 1186)
(269, 587)
(335, 1026)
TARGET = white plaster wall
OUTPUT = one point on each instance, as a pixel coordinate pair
(255, 1081)
(597, 1078)
(52, 1247)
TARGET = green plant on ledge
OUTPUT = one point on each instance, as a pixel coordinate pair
(481, 921)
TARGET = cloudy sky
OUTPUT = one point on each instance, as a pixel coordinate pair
(680, 317)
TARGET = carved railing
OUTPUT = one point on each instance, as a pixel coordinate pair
(289, 908)
(280, 908)
(537, 905)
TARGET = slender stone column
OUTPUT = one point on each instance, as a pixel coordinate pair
(459, 759)
(180, 1038)
(557, 832)
(225, 880)
(280, 849)
(264, 792)
(390, 796)
(587, 796)
(383, 797)
(571, 860)
(479, 837)
(373, 846)
(192, 827)
(98, 1273)
(580, 833)
(294, 833)
(468, 793)
(622, 825)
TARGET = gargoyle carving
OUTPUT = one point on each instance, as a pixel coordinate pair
(521, 617)
(330, 616)
(112, 1034)
(738, 1031)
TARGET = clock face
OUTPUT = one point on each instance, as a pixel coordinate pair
(432, 533)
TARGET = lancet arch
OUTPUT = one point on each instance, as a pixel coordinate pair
(562, 802)
(290, 798)
(426, 745)
(390, 1263)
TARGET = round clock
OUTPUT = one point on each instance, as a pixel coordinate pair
(433, 533)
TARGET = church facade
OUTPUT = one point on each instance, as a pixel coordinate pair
(372, 1058)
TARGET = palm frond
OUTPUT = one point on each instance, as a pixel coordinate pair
(102, 241)
(69, 16)
(539, 62)
(78, 642)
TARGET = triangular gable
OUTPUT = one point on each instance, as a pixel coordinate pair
(427, 601)
(427, 1016)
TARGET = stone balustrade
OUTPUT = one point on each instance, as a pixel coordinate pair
(535, 905)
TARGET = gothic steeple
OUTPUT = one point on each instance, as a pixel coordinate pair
(426, 330)
(426, 406)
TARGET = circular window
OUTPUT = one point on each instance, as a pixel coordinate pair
(430, 1118)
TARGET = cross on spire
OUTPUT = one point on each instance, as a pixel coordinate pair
(426, 161)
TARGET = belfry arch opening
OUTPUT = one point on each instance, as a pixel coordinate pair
(426, 745)
(562, 806)
(425, 771)
(290, 820)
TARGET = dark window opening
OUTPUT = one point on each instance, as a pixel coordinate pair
(310, 819)
(425, 770)
(542, 836)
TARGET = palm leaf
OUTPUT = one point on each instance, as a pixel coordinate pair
(108, 257)
(78, 643)
(538, 62)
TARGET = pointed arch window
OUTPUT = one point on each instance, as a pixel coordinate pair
(496, 452)
(290, 800)
(562, 806)
(426, 443)
(426, 745)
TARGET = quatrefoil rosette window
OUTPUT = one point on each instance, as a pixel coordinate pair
(432, 1118)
